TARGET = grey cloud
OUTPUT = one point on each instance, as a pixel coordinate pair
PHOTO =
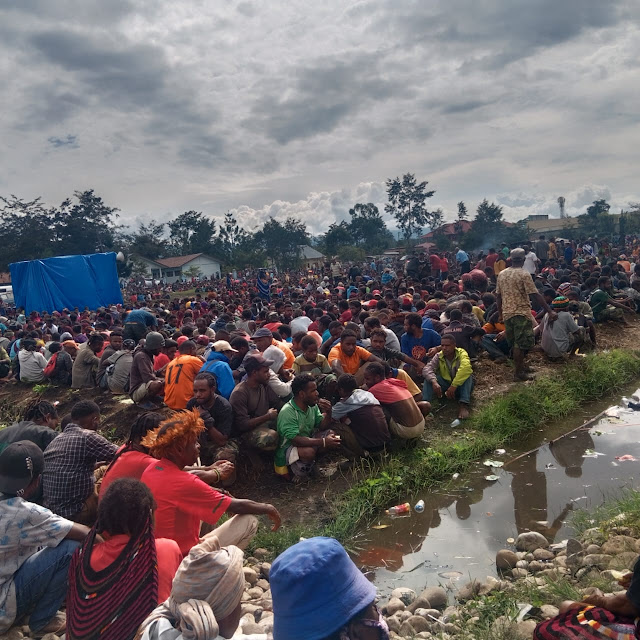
(50, 104)
(70, 142)
(247, 9)
(464, 107)
(324, 94)
(92, 11)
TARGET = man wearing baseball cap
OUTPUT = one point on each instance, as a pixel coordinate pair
(319, 593)
(255, 405)
(218, 365)
(37, 546)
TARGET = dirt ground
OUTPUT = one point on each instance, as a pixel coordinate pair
(309, 502)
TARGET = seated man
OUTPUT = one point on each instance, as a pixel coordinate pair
(37, 546)
(347, 357)
(217, 414)
(562, 335)
(605, 306)
(255, 405)
(362, 412)
(145, 388)
(184, 500)
(178, 380)
(118, 370)
(115, 344)
(38, 425)
(418, 343)
(61, 373)
(303, 431)
(218, 364)
(467, 337)
(378, 339)
(310, 361)
(85, 366)
(406, 420)
(68, 480)
(449, 372)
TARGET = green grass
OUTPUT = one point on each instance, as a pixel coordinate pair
(502, 420)
(623, 510)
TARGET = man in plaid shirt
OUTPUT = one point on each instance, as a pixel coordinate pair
(68, 479)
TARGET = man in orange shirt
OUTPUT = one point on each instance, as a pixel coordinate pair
(178, 385)
(347, 357)
(263, 338)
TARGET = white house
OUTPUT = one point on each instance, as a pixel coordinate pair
(178, 268)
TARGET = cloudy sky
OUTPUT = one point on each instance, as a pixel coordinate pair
(305, 108)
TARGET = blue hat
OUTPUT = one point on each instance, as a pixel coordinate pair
(316, 590)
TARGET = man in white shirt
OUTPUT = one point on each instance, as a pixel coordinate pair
(530, 261)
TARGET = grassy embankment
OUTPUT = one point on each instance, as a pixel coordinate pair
(499, 422)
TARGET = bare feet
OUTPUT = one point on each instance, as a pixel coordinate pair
(463, 412)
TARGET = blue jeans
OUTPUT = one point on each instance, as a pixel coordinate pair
(41, 583)
(495, 349)
(463, 393)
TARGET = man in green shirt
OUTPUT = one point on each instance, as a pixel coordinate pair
(604, 306)
(303, 431)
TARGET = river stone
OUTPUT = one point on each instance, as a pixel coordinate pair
(619, 544)
(265, 570)
(536, 566)
(15, 633)
(255, 592)
(450, 613)
(50, 636)
(406, 630)
(593, 549)
(435, 596)
(599, 560)
(592, 591)
(624, 560)
(428, 614)
(503, 627)
(530, 541)
(573, 546)
(541, 555)
(267, 624)
(261, 554)
(593, 536)
(263, 584)
(394, 605)
(249, 607)
(403, 593)
(506, 560)
(519, 573)
(548, 611)
(250, 575)
(393, 623)
(522, 564)
(404, 615)
(488, 586)
(525, 629)
(419, 623)
(468, 591)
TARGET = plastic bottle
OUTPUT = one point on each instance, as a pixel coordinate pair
(456, 423)
(399, 509)
(419, 506)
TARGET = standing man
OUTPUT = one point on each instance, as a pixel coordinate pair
(137, 323)
(462, 258)
(542, 250)
(514, 291)
(531, 261)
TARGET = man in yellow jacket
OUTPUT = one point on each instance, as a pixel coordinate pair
(449, 373)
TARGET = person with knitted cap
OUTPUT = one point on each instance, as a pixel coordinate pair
(560, 335)
(205, 601)
(319, 594)
(37, 546)
(183, 499)
(145, 387)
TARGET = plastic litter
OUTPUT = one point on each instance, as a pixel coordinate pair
(493, 463)
(455, 476)
(456, 423)
(419, 508)
(590, 453)
(380, 526)
(511, 540)
(549, 465)
(492, 478)
(634, 405)
(500, 452)
(399, 509)
(626, 458)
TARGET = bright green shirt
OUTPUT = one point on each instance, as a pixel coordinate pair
(293, 422)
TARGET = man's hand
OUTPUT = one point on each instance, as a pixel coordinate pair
(500, 336)
(332, 441)
(272, 414)
(437, 389)
(274, 516)
(553, 316)
(451, 392)
(432, 352)
(224, 468)
(286, 374)
(324, 405)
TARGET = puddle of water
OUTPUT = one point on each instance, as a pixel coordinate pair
(468, 520)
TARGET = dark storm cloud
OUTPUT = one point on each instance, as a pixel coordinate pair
(324, 94)
(69, 141)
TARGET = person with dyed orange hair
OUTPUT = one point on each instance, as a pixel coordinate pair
(183, 499)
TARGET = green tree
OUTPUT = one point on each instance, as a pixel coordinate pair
(336, 237)
(351, 254)
(486, 227)
(192, 272)
(281, 242)
(191, 232)
(148, 241)
(598, 207)
(487, 214)
(234, 242)
(86, 225)
(462, 215)
(597, 221)
(437, 219)
(27, 230)
(407, 204)
(368, 229)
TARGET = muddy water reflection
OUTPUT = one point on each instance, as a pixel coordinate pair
(470, 519)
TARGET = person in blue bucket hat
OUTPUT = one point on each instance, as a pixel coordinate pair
(319, 594)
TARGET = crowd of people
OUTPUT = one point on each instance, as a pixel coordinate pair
(344, 359)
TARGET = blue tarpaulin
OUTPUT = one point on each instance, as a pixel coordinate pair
(66, 282)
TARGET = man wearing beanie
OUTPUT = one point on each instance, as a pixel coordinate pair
(319, 594)
(37, 546)
(562, 335)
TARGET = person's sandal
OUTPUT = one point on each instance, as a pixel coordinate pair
(57, 625)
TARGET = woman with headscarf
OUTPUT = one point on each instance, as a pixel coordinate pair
(205, 601)
(115, 581)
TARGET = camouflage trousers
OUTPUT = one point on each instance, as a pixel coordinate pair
(264, 437)
(210, 452)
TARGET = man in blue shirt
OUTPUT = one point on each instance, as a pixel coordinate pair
(137, 323)
(462, 258)
(417, 342)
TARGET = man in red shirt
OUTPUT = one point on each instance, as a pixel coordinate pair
(184, 500)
